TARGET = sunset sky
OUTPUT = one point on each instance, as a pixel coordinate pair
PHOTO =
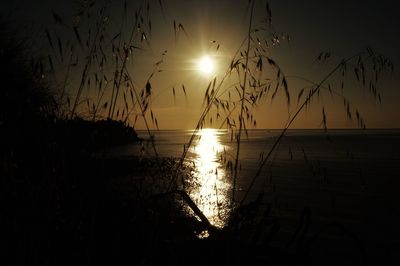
(341, 27)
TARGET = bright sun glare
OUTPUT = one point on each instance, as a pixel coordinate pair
(206, 65)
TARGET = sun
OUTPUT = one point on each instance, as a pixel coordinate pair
(206, 65)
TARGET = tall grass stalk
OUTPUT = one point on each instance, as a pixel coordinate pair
(379, 63)
(117, 84)
(244, 85)
(100, 27)
(291, 120)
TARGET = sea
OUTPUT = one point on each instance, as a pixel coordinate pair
(346, 180)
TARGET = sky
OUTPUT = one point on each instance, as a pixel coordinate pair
(341, 27)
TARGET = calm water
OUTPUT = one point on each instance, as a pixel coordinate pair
(307, 168)
(350, 178)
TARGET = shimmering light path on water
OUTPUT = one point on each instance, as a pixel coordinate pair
(211, 183)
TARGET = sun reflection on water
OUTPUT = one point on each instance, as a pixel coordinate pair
(210, 191)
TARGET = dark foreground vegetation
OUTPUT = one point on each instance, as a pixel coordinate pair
(60, 204)
(64, 203)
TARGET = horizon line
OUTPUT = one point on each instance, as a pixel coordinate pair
(321, 129)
